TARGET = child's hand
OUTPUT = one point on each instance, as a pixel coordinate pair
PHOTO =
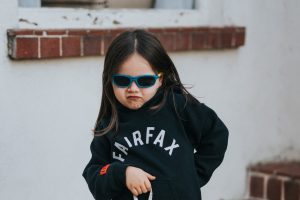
(138, 181)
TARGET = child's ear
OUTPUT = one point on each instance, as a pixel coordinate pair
(160, 77)
(160, 74)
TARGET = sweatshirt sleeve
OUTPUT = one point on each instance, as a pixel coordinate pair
(105, 180)
(209, 136)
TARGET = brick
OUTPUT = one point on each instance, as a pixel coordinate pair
(292, 190)
(155, 30)
(92, 45)
(240, 39)
(198, 40)
(195, 29)
(274, 189)
(14, 32)
(183, 41)
(230, 29)
(56, 32)
(291, 169)
(77, 31)
(115, 32)
(213, 40)
(168, 41)
(256, 186)
(98, 32)
(171, 30)
(106, 42)
(226, 40)
(39, 32)
(71, 46)
(50, 48)
(26, 48)
(239, 29)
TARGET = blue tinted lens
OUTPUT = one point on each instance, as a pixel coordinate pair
(121, 81)
(146, 81)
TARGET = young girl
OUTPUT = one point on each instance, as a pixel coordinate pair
(152, 138)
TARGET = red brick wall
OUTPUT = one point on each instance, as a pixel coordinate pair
(275, 181)
(61, 43)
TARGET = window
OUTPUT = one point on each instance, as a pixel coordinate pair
(98, 4)
(75, 3)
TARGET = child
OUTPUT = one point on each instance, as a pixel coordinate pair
(153, 139)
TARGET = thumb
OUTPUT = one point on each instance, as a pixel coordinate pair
(149, 176)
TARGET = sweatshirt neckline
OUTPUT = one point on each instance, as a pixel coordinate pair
(151, 102)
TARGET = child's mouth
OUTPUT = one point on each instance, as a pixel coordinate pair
(133, 97)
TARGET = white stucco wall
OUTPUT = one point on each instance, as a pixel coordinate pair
(48, 107)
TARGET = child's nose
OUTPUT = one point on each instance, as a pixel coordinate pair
(133, 86)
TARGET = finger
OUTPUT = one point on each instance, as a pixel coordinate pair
(139, 190)
(134, 192)
(148, 185)
(144, 189)
(149, 176)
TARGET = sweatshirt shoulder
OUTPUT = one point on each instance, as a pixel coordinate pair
(186, 101)
(189, 105)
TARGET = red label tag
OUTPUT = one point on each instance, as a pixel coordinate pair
(104, 169)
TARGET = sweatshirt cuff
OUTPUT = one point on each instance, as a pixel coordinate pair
(119, 173)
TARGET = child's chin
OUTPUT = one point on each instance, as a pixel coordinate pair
(135, 106)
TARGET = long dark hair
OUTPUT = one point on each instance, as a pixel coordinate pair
(150, 48)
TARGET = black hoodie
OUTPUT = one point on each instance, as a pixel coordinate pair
(181, 152)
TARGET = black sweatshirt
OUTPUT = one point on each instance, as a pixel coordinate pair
(181, 152)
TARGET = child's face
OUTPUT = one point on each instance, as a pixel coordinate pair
(135, 65)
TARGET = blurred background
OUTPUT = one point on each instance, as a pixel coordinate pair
(48, 107)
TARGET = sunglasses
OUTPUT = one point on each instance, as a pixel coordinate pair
(143, 81)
